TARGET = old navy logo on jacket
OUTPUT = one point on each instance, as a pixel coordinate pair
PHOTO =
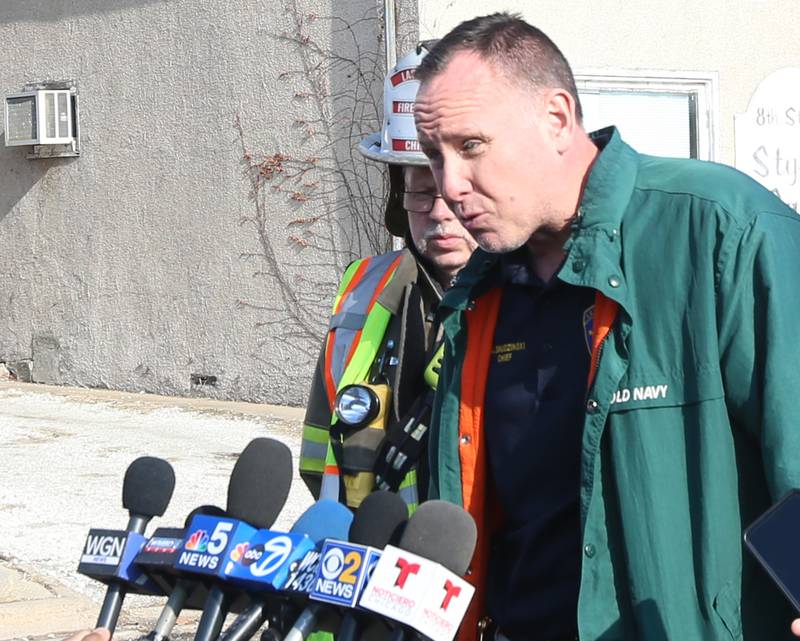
(640, 393)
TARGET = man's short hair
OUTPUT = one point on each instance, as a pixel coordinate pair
(519, 50)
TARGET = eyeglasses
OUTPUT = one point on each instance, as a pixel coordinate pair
(419, 202)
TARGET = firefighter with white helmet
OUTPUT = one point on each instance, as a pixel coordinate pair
(377, 368)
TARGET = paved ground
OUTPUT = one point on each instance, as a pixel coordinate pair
(63, 454)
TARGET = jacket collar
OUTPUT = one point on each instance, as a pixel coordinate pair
(594, 250)
(610, 182)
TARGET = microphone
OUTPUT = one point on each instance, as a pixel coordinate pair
(377, 520)
(419, 583)
(157, 558)
(108, 554)
(258, 488)
(442, 532)
(381, 518)
(325, 518)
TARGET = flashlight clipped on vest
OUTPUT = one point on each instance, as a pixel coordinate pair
(362, 413)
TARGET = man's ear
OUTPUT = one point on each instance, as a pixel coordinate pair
(560, 117)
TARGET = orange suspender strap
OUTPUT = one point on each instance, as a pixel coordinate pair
(330, 386)
(481, 323)
(605, 312)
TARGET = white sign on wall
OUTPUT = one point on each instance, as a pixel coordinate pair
(768, 135)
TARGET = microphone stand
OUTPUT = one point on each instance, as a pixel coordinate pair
(115, 594)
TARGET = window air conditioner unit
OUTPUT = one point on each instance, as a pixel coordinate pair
(40, 117)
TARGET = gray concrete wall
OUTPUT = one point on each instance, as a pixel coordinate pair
(742, 41)
(152, 256)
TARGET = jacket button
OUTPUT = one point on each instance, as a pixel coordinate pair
(613, 281)
(466, 440)
(578, 265)
(589, 550)
(592, 406)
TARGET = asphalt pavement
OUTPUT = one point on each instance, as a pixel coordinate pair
(63, 454)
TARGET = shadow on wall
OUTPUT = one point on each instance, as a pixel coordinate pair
(17, 175)
(49, 11)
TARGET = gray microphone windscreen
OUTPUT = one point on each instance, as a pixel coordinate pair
(379, 519)
(442, 532)
(148, 485)
(260, 482)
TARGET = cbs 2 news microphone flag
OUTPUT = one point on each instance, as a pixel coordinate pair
(424, 591)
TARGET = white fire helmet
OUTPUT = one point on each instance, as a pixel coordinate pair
(397, 142)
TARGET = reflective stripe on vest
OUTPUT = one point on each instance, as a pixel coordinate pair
(408, 491)
(313, 449)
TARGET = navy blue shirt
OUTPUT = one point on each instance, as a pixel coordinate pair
(533, 422)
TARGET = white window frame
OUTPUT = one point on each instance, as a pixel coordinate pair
(703, 85)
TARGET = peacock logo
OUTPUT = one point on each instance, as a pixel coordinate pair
(198, 541)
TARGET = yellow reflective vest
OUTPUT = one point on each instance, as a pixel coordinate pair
(371, 295)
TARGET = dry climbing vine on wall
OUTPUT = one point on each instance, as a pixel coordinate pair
(336, 196)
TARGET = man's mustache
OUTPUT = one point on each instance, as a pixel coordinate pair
(446, 230)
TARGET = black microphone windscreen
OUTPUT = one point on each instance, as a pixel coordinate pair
(260, 482)
(205, 510)
(379, 519)
(148, 486)
(442, 532)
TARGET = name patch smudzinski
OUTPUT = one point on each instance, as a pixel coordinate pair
(643, 393)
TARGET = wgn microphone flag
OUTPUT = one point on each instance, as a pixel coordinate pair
(108, 555)
(258, 488)
(419, 582)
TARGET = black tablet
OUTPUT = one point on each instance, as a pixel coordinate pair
(774, 539)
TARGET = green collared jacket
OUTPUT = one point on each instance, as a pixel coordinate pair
(692, 422)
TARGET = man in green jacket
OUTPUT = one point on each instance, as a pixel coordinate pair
(618, 395)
